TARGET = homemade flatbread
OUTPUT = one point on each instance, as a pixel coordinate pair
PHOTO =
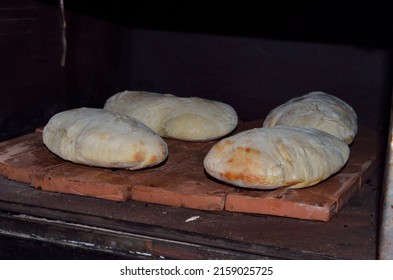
(98, 137)
(318, 110)
(269, 158)
(184, 118)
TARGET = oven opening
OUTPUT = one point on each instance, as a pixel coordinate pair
(63, 55)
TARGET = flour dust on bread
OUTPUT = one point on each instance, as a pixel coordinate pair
(269, 158)
(98, 137)
(184, 118)
(318, 110)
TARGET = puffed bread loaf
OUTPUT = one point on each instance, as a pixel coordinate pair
(269, 158)
(184, 118)
(98, 137)
(318, 110)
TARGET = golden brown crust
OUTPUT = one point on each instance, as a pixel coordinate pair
(268, 158)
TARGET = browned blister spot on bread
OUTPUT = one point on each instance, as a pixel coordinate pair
(223, 145)
(243, 163)
(152, 159)
(138, 156)
(251, 179)
(244, 156)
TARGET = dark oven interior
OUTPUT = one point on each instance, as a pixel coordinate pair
(253, 56)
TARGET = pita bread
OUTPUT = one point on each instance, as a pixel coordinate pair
(318, 110)
(184, 118)
(269, 158)
(98, 137)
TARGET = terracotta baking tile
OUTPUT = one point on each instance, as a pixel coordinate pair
(363, 169)
(20, 144)
(284, 202)
(12, 147)
(181, 180)
(21, 166)
(339, 188)
(84, 180)
(366, 153)
(11, 154)
(353, 167)
(189, 194)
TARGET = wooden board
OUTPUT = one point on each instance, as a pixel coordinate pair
(181, 180)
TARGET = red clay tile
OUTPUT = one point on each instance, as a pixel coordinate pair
(12, 156)
(285, 202)
(181, 180)
(339, 188)
(21, 166)
(83, 180)
(189, 194)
